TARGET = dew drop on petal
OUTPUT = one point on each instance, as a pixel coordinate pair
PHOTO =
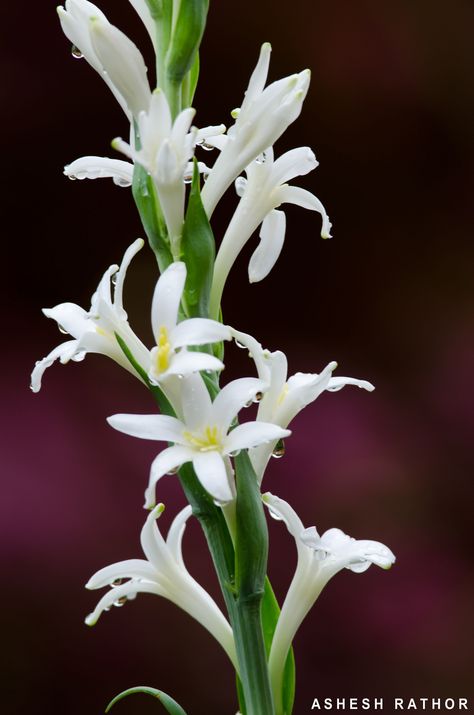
(235, 453)
(120, 602)
(207, 147)
(62, 330)
(75, 52)
(120, 181)
(173, 471)
(258, 397)
(114, 279)
(279, 449)
(188, 178)
(240, 345)
(71, 177)
(117, 582)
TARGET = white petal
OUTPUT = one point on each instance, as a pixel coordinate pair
(259, 76)
(211, 472)
(153, 544)
(69, 317)
(132, 568)
(198, 331)
(196, 402)
(123, 63)
(186, 362)
(175, 534)
(155, 427)
(280, 509)
(296, 162)
(143, 11)
(304, 198)
(181, 126)
(232, 398)
(167, 297)
(130, 253)
(337, 383)
(167, 461)
(100, 167)
(258, 354)
(272, 236)
(128, 590)
(251, 434)
(63, 352)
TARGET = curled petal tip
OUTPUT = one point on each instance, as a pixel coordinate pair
(90, 620)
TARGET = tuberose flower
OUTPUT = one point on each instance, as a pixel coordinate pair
(94, 331)
(162, 573)
(319, 559)
(263, 117)
(262, 192)
(111, 53)
(286, 397)
(202, 436)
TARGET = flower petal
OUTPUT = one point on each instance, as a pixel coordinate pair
(167, 461)
(131, 568)
(70, 317)
(100, 167)
(128, 590)
(211, 472)
(167, 297)
(198, 331)
(175, 534)
(63, 352)
(302, 197)
(130, 253)
(296, 162)
(232, 398)
(337, 383)
(195, 402)
(251, 434)
(155, 427)
(186, 362)
(272, 236)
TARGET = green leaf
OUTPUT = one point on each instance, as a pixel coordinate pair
(251, 545)
(198, 251)
(144, 193)
(190, 83)
(270, 615)
(188, 31)
(170, 705)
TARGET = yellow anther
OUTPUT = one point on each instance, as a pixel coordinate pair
(206, 441)
(102, 332)
(164, 349)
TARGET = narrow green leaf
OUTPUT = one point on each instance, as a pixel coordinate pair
(198, 251)
(144, 193)
(270, 615)
(188, 31)
(251, 547)
(170, 705)
(190, 83)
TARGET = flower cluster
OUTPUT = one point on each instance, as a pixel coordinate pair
(200, 420)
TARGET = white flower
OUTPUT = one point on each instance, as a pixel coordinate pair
(100, 167)
(202, 436)
(111, 53)
(286, 397)
(94, 331)
(166, 149)
(264, 190)
(263, 117)
(319, 559)
(162, 573)
(170, 357)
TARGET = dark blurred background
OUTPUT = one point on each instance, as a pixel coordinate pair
(390, 117)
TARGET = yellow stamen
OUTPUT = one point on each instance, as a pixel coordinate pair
(207, 441)
(164, 349)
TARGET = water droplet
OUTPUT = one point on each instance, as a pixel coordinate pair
(279, 450)
(173, 471)
(79, 357)
(205, 146)
(262, 158)
(188, 178)
(121, 181)
(62, 330)
(205, 175)
(258, 397)
(114, 279)
(120, 602)
(240, 345)
(107, 608)
(75, 52)
(235, 453)
(249, 403)
(117, 582)
(71, 177)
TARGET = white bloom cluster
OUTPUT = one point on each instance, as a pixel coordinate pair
(184, 364)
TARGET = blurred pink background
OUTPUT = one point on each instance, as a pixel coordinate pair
(390, 117)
